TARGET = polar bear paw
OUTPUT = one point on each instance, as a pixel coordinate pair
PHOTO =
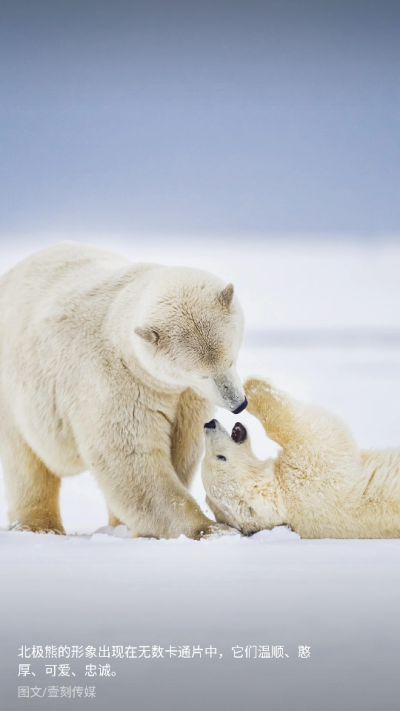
(217, 530)
(55, 529)
(256, 391)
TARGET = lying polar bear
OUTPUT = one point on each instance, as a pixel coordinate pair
(320, 484)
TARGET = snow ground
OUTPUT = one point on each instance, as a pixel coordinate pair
(301, 302)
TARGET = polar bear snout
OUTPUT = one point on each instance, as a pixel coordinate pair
(215, 430)
(210, 425)
(229, 392)
(241, 407)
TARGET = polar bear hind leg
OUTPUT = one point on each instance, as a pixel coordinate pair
(32, 490)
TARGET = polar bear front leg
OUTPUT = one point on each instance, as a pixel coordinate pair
(145, 493)
(32, 490)
(187, 436)
(131, 461)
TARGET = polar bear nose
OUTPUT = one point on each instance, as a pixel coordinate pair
(211, 425)
(241, 407)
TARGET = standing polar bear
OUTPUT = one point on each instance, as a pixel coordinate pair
(113, 367)
(320, 484)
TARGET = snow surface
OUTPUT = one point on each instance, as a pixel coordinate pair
(97, 586)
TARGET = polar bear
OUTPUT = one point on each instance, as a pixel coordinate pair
(320, 484)
(113, 367)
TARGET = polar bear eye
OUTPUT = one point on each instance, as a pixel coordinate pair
(221, 457)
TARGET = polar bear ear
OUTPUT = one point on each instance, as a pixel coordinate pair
(148, 334)
(226, 296)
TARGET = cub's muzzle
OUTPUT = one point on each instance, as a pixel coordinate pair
(210, 425)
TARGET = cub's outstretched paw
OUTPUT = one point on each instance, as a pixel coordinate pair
(256, 392)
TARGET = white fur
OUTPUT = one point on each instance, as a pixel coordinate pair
(113, 367)
(320, 484)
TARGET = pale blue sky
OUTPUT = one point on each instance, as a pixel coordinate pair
(275, 116)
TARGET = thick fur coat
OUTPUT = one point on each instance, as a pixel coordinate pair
(113, 367)
(320, 483)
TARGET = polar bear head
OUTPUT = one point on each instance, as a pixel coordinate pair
(241, 490)
(188, 334)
